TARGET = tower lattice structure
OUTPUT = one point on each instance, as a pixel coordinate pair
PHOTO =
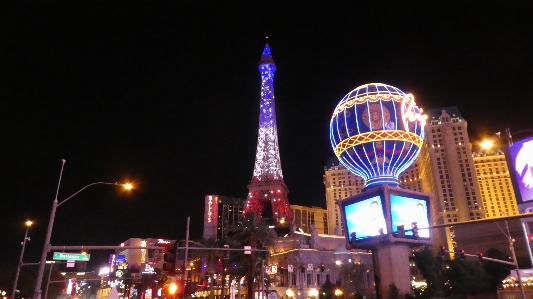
(267, 195)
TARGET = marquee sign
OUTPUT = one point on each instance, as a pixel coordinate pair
(147, 269)
(211, 209)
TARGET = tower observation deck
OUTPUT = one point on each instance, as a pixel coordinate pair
(267, 195)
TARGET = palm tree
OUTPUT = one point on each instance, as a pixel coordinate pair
(212, 257)
(253, 233)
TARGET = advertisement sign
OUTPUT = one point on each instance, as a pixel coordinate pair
(406, 210)
(365, 217)
(521, 168)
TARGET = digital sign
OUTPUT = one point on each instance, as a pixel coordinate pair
(365, 217)
(406, 210)
(521, 156)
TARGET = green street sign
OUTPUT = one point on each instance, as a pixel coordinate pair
(62, 256)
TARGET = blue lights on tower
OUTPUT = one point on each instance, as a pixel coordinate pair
(267, 164)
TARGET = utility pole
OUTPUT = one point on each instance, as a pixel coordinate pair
(184, 278)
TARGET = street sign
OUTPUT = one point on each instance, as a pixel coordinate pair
(290, 268)
(63, 256)
(247, 249)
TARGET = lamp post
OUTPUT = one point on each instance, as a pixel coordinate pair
(55, 204)
(28, 224)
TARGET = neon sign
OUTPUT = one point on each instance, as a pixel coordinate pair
(376, 132)
(161, 241)
(210, 208)
(148, 269)
(409, 113)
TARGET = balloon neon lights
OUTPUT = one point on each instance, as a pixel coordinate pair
(409, 114)
(378, 136)
(377, 131)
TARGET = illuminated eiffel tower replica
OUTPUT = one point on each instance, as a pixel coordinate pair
(267, 195)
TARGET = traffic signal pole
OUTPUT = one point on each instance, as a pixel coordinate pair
(184, 278)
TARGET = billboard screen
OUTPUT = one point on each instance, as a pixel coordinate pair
(521, 157)
(406, 210)
(365, 217)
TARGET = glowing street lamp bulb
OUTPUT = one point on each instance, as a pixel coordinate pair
(104, 271)
(28, 223)
(172, 288)
(486, 144)
(289, 293)
(127, 186)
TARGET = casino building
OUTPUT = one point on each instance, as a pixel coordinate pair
(139, 257)
(495, 183)
(220, 214)
(305, 218)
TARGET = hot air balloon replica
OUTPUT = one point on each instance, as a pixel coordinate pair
(376, 132)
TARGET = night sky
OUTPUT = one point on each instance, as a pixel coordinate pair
(166, 95)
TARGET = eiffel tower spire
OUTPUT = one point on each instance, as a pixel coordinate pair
(267, 192)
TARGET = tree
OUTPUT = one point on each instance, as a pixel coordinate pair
(458, 276)
(394, 292)
(254, 233)
(431, 269)
(496, 271)
(327, 290)
(212, 258)
(352, 278)
(467, 277)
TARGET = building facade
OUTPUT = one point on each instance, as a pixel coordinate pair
(220, 214)
(453, 166)
(339, 183)
(141, 256)
(495, 183)
(308, 217)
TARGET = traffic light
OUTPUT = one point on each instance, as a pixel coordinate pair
(480, 256)
(302, 269)
(461, 254)
(442, 250)
(322, 268)
(414, 229)
(169, 264)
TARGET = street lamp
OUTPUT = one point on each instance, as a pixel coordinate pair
(23, 243)
(55, 204)
(487, 144)
(172, 289)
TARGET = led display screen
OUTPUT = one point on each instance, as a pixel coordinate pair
(365, 217)
(521, 156)
(408, 210)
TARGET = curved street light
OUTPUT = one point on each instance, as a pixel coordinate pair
(23, 243)
(55, 204)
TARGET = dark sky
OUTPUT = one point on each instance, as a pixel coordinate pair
(166, 94)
